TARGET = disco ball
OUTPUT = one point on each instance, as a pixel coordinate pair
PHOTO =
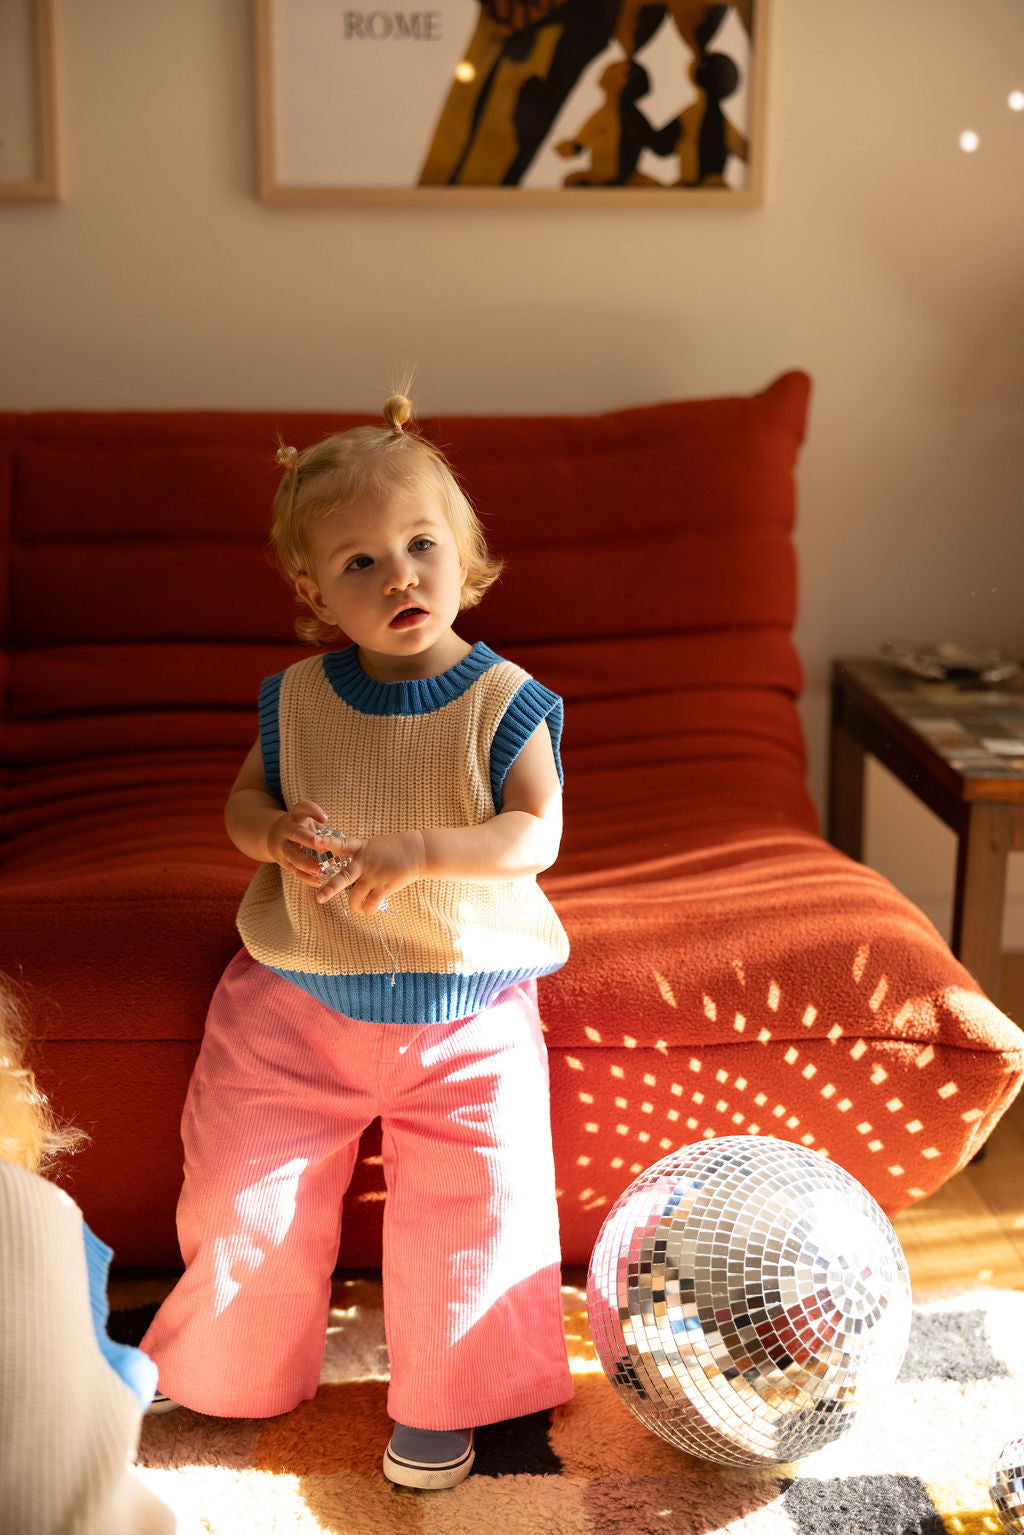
(1006, 1485)
(744, 1296)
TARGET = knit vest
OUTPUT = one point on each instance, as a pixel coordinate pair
(389, 757)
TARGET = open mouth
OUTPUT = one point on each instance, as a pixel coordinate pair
(406, 617)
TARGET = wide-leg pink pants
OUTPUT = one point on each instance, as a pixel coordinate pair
(281, 1092)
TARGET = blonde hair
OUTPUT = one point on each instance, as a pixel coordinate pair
(368, 462)
(31, 1136)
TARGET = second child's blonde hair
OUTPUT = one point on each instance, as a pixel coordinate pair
(31, 1136)
(364, 463)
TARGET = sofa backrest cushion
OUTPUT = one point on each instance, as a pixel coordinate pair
(648, 553)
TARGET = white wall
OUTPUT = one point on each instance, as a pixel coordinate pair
(884, 260)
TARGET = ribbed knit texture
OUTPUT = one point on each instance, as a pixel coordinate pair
(281, 1093)
(68, 1424)
(388, 757)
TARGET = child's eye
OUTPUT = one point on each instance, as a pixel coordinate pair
(361, 562)
(421, 545)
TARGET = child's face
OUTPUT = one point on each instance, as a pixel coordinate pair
(389, 575)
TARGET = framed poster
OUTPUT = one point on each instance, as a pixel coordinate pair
(660, 102)
(28, 130)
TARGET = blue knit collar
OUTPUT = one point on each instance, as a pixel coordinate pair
(422, 695)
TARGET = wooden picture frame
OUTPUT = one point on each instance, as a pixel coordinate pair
(28, 101)
(477, 102)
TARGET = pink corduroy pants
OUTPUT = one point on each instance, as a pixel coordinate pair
(281, 1092)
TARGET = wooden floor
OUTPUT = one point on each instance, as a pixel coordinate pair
(972, 1230)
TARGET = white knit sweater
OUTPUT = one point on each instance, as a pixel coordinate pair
(69, 1425)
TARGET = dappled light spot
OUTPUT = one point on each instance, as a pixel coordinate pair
(710, 1010)
(894, 1105)
(574, 1063)
(809, 1071)
(834, 1033)
(877, 997)
(925, 1056)
(810, 1016)
(896, 1170)
(913, 1126)
(739, 972)
(878, 1075)
(857, 1050)
(970, 1115)
(774, 995)
(592, 1034)
(860, 960)
(668, 996)
(948, 1089)
(739, 1023)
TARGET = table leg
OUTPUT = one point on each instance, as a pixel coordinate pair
(845, 787)
(980, 893)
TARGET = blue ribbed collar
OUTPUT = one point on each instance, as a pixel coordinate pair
(421, 696)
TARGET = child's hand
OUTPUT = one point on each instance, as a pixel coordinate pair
(379, 867)
(290, 833)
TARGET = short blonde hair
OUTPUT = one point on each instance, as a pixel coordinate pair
(31, 1136)
(366, 462)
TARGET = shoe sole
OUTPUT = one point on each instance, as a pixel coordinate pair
(166, 1405)
(413, 1473)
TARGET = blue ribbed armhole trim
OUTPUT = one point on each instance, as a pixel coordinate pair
(136, 1369)
(531, 704)
(270, 731)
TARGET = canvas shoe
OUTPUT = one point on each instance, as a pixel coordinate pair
(161, 1403)
(429, 1458)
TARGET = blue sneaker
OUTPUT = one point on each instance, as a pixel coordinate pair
(428, 1457)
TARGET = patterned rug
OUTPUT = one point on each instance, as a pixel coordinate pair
(916, 1464)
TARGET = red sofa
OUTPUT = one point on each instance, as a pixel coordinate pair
(730, 972)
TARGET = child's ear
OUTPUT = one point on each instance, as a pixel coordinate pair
(307, 589)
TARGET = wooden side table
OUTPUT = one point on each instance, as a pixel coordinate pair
(959, 746)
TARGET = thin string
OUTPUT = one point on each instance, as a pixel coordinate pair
(394, 958)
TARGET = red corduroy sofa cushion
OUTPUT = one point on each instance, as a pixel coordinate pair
(729, 969)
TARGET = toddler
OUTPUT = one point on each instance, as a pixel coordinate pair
(400, 983)
(71, 1399)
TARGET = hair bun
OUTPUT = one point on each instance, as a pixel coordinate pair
(397, 411)
(289, 457)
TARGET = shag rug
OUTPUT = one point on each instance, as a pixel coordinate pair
(917, 1463)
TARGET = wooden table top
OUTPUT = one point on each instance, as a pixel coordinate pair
(973, 733)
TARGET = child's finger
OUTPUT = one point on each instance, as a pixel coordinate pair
(337, 884)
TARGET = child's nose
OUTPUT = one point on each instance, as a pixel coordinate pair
(399, 574)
